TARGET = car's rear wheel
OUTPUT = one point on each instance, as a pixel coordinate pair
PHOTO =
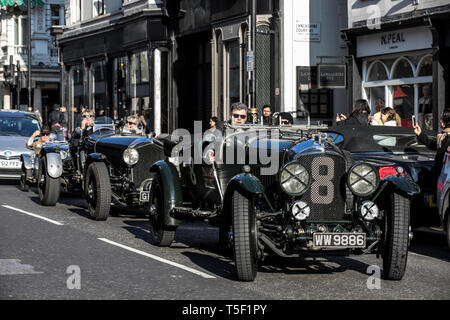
(98, 191)
(161, 235)
(245, 237)
(48, 187)
(396, 237)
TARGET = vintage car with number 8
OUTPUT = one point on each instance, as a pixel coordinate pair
(288, 191)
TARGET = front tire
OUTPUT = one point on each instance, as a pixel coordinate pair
(24, 186)
(161, 235)
(98, 191)
(48, 187)
(448, 231)
(245, 237)
(396, 238)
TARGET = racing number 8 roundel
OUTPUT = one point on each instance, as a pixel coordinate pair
(322, 187)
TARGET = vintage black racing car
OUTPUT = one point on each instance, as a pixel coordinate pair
(105, 165)
(289, 191)
(394, 148)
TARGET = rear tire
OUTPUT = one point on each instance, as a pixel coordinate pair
(161, 235)
(396, 238)
(98, 191)
(245, 238)
(48, 187)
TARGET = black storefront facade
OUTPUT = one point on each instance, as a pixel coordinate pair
(405, 62)
(119, 70)
(210, 57)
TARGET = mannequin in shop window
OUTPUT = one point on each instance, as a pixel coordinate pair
(426, 108)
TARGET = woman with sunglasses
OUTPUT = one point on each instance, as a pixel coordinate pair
(37, 144)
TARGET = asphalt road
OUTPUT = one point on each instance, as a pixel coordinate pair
(58, 252)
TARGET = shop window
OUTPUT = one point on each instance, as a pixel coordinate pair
(377, 72)
(98, 71)
(426, 67)
(139, 67)
(376, 97)
(77, 86)
(403, 69)
(404, 103)
(55, 14)
(426, 106)
(234, 72)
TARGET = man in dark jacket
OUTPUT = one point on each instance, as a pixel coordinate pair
(54, 116)
(440, 144)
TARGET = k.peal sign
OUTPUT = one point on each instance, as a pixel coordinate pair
(20, 2)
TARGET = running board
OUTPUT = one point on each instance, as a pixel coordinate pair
(181, 213)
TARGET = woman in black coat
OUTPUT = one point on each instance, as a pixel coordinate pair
(360, 115)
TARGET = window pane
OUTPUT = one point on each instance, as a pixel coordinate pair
(404, 103)
(426, 68)
(24, 26)
(426, 106)
(144, 67)
(16, 31)
(234, 75)
(403, 70)
(378, 72)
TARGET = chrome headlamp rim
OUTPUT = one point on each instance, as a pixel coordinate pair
(130, 156)
(375, 187)
(64, 154)
(307, 185)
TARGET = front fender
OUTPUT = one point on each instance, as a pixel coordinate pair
(94, 157)
(405, 184)
(173, 196)
(246, 184)
(54, 165)
(27, 161)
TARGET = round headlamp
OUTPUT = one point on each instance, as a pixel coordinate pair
(63, 154)
(130, 157)
(295, 179)
(363, 179)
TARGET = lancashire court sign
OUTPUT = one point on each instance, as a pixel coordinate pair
(20, 2)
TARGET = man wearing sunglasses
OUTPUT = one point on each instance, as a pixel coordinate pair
(131, 126)
(239, 113)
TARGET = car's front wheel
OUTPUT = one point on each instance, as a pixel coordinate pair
(448, 231)
(161, 235)
(98, 191)
(396, 237)
(48, 187)
(24, 186)
(245, 237)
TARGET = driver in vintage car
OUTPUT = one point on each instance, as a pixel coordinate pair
(131, 126)
(36, 145)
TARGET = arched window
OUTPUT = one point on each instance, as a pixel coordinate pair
(377, 71)
(425, 67)
(403, 68)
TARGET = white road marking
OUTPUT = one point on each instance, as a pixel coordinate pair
(14, 267)
(202, 274)
(34, 215)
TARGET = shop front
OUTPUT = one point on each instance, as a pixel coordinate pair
(397, 72)
(404, 68)
(114, 71)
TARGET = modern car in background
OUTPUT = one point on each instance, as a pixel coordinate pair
(15, 129)
(396, 148)
(443, 196)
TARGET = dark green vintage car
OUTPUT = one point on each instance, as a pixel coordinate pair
(106, 165)
(288, 191)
